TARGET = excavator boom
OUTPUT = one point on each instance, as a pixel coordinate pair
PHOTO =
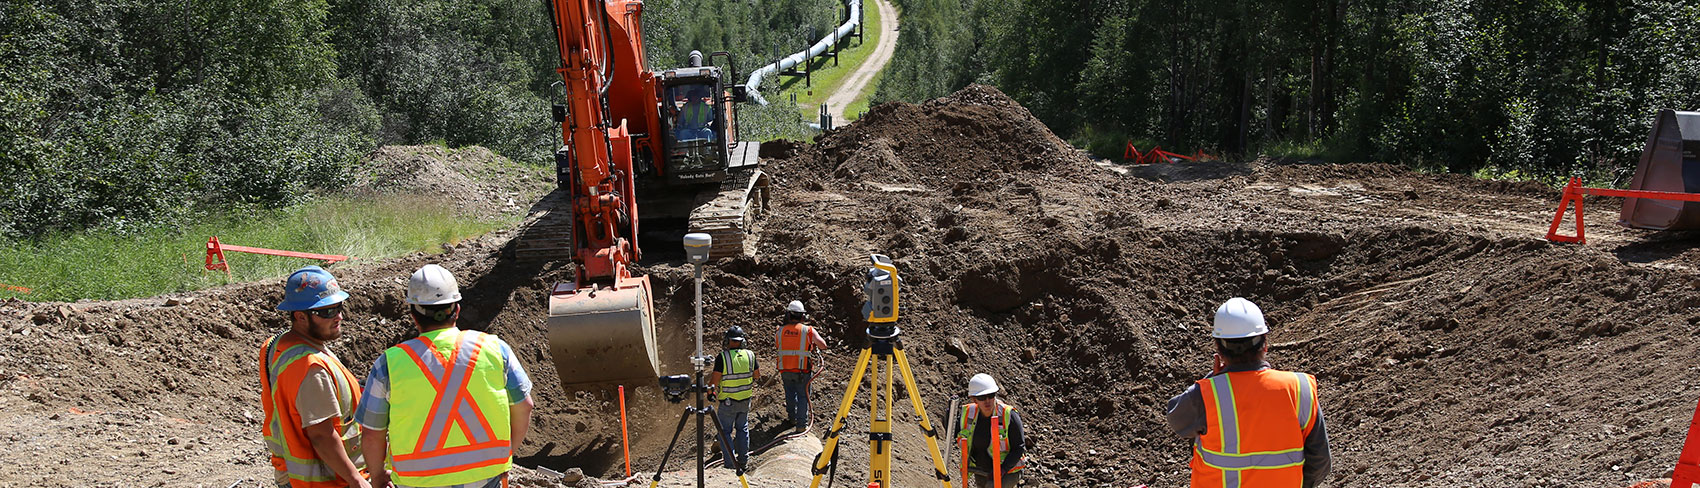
(601, 326)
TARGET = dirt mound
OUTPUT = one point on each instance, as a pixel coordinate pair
(480, 182)
(1454, 346)
(973, 132)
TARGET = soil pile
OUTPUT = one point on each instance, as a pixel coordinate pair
(1454, 346)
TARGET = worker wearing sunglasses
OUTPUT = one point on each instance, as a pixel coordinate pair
(307, 393)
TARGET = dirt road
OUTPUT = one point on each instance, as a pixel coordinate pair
(871, 67)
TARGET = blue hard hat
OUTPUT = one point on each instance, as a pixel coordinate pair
(310, 287)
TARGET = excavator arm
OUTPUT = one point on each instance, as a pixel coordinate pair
(601, 326)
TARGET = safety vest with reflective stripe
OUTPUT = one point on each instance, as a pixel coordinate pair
(794, 348)
(736, 381)
(695, 115)
(966, 431)
(285, 360)
(448, 409)
(1256, 423)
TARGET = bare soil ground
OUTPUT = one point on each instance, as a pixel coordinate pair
(1455, 346)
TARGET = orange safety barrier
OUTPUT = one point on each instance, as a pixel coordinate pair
(1158, 155)
(215, 254)
(1574, 192)
(625, 441)
(1687, 472)
(18, 289)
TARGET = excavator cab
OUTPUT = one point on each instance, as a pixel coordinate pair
(694, 125)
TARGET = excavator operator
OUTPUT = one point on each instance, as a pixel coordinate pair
(695, 116)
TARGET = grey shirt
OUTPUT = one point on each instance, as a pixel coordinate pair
(1186, 419)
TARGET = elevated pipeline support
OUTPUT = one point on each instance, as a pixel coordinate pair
(844, 31)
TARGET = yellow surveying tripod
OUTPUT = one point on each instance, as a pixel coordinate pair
(884, 346)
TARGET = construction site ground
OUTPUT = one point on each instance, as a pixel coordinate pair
(1454, 345)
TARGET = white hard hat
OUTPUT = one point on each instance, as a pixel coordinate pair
(432, 285)
(982, 384)
(796, 306)
(1238, 318)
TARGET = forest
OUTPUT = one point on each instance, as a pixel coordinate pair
(1544, 88)
(127, 114)
(120, 114)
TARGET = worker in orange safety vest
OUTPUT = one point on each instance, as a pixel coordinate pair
(447, 408)
(973, 427)
(797, 346)
(1252, 426)
(308, 395)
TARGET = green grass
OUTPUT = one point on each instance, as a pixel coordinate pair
(1297, 149)
(827, 78)
(106, 266)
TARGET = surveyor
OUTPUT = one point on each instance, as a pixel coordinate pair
(307, 394)
(449, 407)
(734, 378)
(1251, 425)
(975, 423)
(797, 345)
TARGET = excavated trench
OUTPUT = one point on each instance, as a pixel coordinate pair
(1454, 347)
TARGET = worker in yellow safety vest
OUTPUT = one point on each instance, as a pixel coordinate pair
(797, 345)
(448, 408)
(976, 417)
(734, 377)
(696, 115)
(1252, 426)
(309, 397)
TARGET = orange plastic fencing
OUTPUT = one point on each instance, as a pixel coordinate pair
(215, 254)
(18, 289)
(1158, 155)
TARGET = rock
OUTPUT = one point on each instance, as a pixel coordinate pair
(955, 348)
(41, 318)
(1029, 354)
(173, 441)
(172, 302)
(572, 475)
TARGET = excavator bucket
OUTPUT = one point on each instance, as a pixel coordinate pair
(1670, 163)
(602, 337)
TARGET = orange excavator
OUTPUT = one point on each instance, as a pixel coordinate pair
(663, 142)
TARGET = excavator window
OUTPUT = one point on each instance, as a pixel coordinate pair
(694, 113)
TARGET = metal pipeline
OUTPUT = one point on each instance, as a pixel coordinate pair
(820, 47)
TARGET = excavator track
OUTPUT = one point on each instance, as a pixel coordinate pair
(546, 234)
(729, 218)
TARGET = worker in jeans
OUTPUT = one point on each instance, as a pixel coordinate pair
(1251, 425)
(734, 379)
(797, 343)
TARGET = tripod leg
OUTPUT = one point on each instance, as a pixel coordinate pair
(879, 423)
(725, 443)
(926, 426)
(838, 420)
(676, 430)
